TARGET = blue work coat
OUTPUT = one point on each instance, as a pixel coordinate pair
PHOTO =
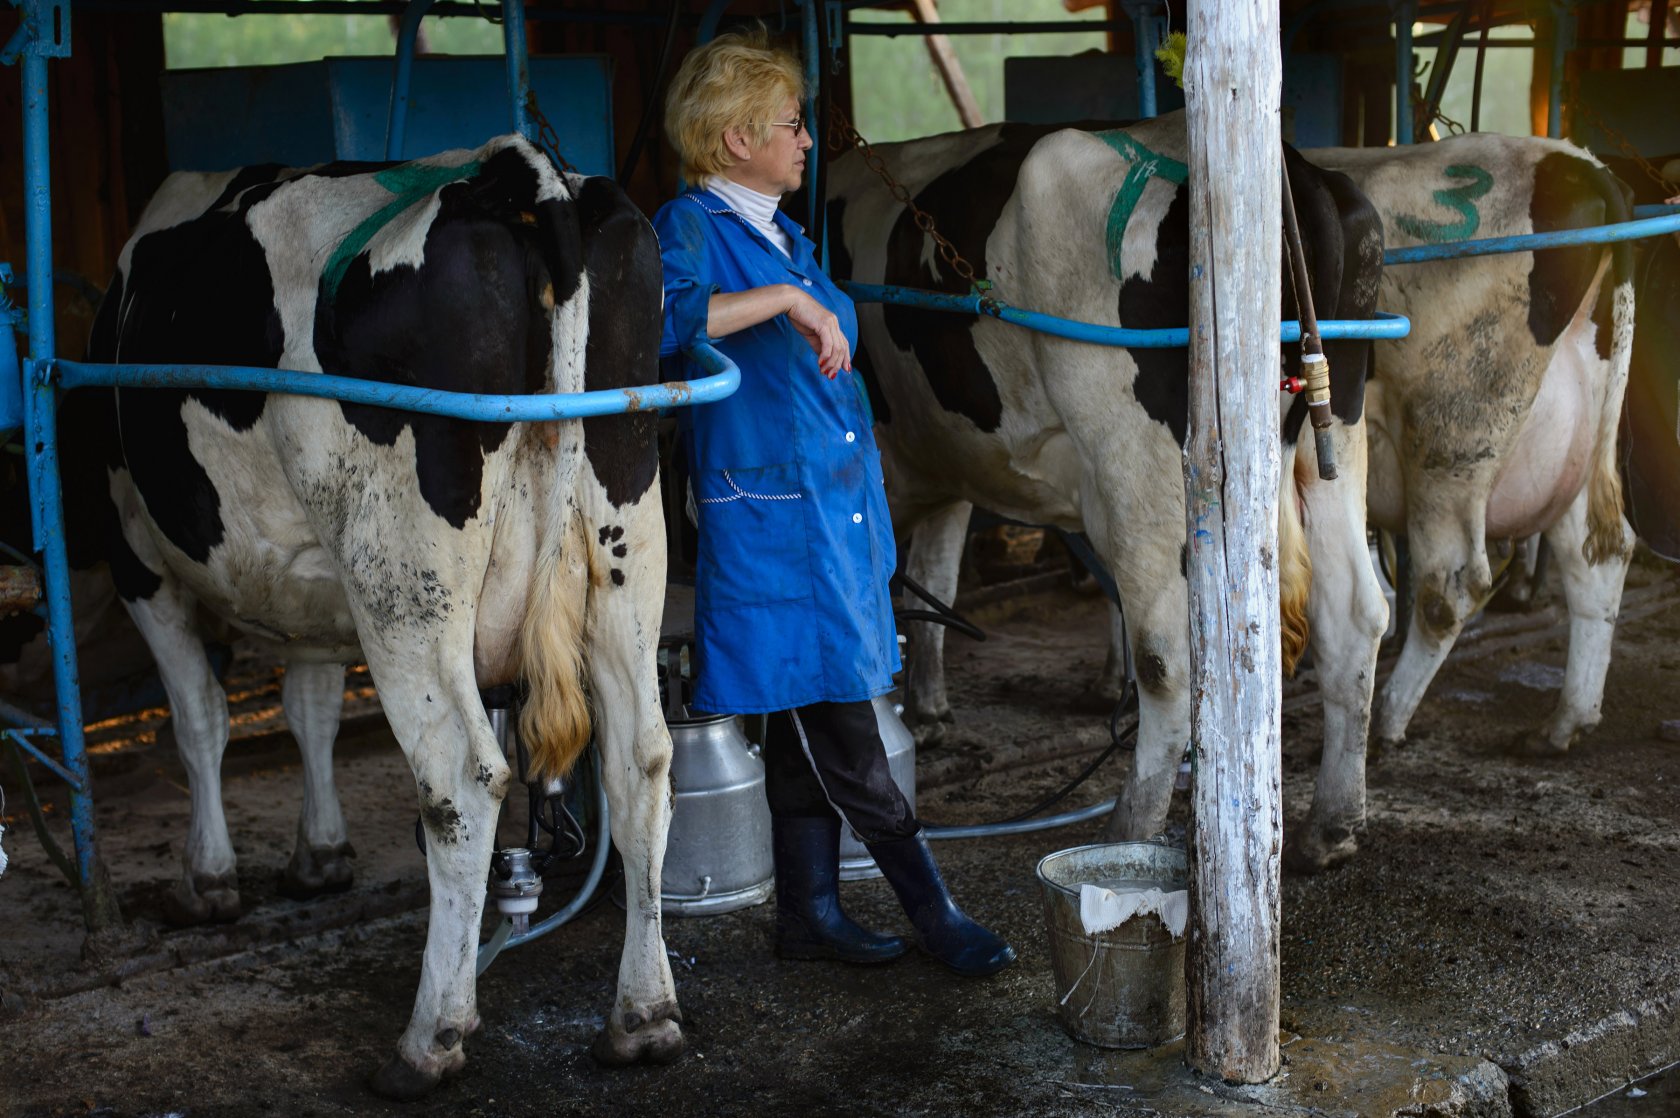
(791, 604)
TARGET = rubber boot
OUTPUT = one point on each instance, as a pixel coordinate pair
(942, 929)
(809, 921)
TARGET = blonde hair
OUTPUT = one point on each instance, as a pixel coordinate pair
(738, 80)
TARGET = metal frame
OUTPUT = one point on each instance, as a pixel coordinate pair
(44, 33)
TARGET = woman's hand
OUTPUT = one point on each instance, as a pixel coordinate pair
(726, 314)
(821, 330)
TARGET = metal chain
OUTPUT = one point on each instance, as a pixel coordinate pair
(1669, 187)
(547, 138)
(842, 134)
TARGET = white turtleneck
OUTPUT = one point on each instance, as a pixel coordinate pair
(758, 210)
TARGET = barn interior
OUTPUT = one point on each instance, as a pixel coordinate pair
(1503, 944)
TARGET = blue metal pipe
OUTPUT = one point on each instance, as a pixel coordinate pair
(99, 909)
(21, 739)
(518, 66)
(707, 30)
(813, 75)
(1598, 234)
(1145, 22)
(1656, 209)
(1563, 31)
(1383, 326)
(1405, 11)
(396, 128)
(724, 378)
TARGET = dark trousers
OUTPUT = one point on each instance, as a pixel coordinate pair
(827, 759)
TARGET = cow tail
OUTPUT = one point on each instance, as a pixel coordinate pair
(1606, 538)
(1294, 576)
(554, 723)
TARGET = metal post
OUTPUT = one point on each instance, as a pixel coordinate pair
(50, 34)
(1563, 40)
(1146, 36)
(812, 12)
(518, 66)
(396, 129)
(1405, 13)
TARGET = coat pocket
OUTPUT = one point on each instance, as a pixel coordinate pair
(753, 546)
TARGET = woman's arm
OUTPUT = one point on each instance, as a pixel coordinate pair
(727, 314)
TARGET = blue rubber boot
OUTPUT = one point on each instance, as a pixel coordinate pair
(943, 930)
(809, 921)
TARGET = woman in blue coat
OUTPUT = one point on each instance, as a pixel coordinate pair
(793, 618)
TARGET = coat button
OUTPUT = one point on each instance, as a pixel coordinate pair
(857, 518)
(851, 438)
(807, 282)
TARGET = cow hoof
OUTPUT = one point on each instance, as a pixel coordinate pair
(1378, 748)
(317, 871)
(659, 1041)
(207, 900)
(1315, 855)
(928, 733)
(1541, 746)
(401, 1081)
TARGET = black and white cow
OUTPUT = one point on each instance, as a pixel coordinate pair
(1093, 225)
(1496, 417)
(452, 556)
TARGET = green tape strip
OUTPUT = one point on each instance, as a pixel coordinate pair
(1146, 165)
(410, 182)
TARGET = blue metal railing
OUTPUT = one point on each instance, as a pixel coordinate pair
(722, 380)
(1382, 326)
(1526, 242)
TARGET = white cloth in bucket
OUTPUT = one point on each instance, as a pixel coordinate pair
(1101, 909)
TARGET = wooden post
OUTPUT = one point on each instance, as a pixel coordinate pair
(1232, 91)
(950, 69)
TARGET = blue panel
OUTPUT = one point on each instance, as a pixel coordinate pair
(314, 112)
(1089, 86)
(217, 119)
(461, 102)
(1312, 100)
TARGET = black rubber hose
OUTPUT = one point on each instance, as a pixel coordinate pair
(655, 95)
(1116, 742)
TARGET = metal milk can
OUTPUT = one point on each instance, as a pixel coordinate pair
(855, 862)
(717, 856)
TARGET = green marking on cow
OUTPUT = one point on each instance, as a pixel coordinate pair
(1146, 165)
(410, 182)
(1460, 198)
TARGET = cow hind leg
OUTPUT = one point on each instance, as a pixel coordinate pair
(1593, 592)
(312, 695)
(209, 886)
(1346, 617)
(933, 562)
(622, 634)
(1451, 578)
(461, 777)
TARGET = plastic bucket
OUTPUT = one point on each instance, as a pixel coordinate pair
(1122, 988)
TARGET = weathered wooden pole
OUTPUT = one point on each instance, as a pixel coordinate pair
(1232, 90)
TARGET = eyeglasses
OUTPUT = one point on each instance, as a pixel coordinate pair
(797, 124)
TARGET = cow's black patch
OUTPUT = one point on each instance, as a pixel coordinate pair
(246, 178)
(840, 267)
(469, 318)
(1341, 234)
(617, 577)
(196, 292)
(1162, 386)
(622, 255)
(968, 200)
(1570, 193)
